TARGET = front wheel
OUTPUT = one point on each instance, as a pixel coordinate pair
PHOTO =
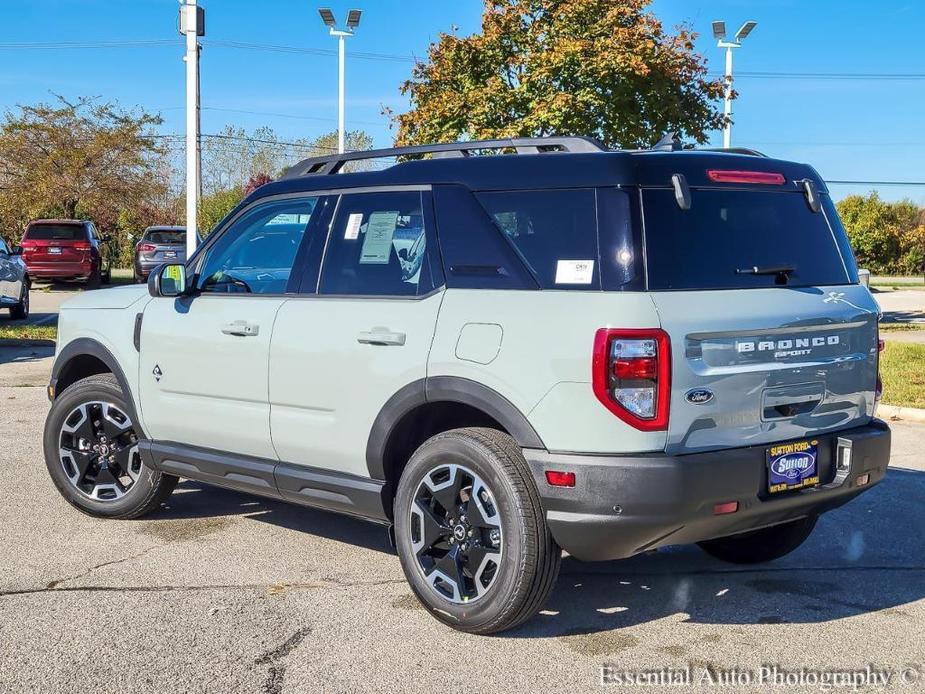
(471, 534)
(762, 545)
(91, 450)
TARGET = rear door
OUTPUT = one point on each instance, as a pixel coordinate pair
(205, 358)
(772, 337)
(339, 354)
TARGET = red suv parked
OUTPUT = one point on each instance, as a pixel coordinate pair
(65, 249)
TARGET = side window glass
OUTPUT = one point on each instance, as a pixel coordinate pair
(555, 232)
(377, 247)
(256, 253)
(3, 247)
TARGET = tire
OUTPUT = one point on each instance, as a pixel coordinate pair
(516, 568)
(148, 488)
(106, 277)
(21, 310)
(762, 545)
(94, 279)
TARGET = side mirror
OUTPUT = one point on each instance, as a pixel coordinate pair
(168, 280)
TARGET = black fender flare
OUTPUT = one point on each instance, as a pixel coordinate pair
(88, 346)
(444, 389)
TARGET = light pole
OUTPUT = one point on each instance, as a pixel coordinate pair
(719, 33)
(353, 21)
(193, 25)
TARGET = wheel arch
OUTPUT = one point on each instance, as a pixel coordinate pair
(87, 357)
(427, 406)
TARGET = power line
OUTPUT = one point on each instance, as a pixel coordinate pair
(66, 45)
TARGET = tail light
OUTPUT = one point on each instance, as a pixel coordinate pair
(147, 248)
(760, 177)
(878, 390)
(81, 245)
(631, 375)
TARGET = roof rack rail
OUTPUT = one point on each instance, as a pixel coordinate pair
(332, 164)
(735, 150)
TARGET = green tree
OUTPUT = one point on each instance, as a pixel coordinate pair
(84, 158)
(604, 68)
(887, 237)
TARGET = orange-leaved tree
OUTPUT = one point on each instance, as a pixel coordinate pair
(602, 68)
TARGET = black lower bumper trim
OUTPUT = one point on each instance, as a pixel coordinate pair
(623, 505)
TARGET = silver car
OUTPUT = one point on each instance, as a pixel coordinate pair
(14, 282)
(159, 245)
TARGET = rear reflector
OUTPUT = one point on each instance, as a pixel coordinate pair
(727, 507)
(760, 177)
(560, 479)
(863, 479)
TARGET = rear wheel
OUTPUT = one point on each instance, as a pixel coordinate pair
(106, 277)
(470, 531)
(762, 545)
(21, 310)
(94, 278)
(91, 451)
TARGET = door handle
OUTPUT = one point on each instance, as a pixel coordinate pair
(381, 336)
(241, 328)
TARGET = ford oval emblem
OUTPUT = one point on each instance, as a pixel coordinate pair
(794, 465)
(699, 396)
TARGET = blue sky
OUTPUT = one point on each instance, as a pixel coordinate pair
(850, 129)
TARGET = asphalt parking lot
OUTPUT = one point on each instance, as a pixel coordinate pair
(225, 592)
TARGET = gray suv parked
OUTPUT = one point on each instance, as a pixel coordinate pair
(158, 245)
(497, 357)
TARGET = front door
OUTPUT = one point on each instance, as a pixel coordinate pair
(339, 354)
(204, 358)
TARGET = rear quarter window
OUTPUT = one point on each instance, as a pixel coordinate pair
(729, 231)
(570, 239)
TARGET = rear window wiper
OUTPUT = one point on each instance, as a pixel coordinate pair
(781, 273)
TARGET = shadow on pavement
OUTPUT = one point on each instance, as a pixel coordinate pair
(867, 556)
(25, 354)
(195, 500)
(904, 317)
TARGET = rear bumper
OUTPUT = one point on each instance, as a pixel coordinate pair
(623, 505)
(60, 270)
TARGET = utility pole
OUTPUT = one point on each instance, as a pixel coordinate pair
(719, 33)
(192, 24)
(353, 21)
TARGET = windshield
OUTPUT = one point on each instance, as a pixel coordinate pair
(738, 239)
(165, 236)
(56, 232)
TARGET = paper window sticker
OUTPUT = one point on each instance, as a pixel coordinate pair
(353, 226)
(574, 271)
(377, 243)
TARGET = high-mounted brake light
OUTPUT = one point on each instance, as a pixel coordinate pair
(631, 375)
(760, 177)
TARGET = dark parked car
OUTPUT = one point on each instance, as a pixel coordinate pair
(66, 249)
(158, 245)
(14, 282)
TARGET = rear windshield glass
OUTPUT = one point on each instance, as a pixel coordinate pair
(725, 235)
(165, 236)
(56, 232)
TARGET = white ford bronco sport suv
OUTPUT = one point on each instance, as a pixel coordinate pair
(498, 357)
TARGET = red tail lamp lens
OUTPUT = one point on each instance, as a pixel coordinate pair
(760, 177)
(560, 479)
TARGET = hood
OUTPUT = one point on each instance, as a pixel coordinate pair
(113, 297)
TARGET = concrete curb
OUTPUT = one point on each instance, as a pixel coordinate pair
(908, 414)
(4, 342)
